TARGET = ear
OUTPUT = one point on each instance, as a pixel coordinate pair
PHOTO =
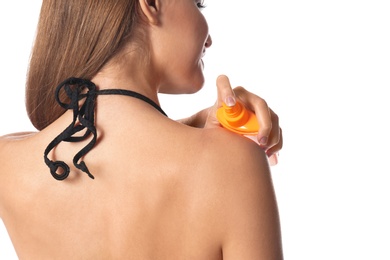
(150, 9)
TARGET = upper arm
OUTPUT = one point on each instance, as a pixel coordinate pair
(249, 214)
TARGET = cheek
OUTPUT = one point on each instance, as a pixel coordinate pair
(203, 27)
(195, 28)
(200, 30)
(188, 44)
(194, 38)
(184, 69)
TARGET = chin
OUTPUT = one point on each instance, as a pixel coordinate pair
(189, 85)
(195, 85)
(189, 89)
(197, 80)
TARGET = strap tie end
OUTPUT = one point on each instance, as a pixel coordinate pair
(54, 166)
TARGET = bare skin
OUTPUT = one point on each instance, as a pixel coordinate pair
(162, 190)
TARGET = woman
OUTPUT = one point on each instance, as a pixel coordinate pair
(161, 189)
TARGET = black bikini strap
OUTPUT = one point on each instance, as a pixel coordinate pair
(73, 88)
(130, 93)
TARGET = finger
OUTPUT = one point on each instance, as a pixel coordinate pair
(277, 147)
(273, 159)
(274, 135)
(264, 118)
(225, 95)
(273, 152)
(263, 114)
(225, 91)
(211, 120)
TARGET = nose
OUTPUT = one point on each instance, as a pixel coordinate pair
(208, 42)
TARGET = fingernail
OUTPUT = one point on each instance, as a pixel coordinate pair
(273, 159)
(263, 140)
(230, 101)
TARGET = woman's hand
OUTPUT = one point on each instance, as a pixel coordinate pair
(270, 134)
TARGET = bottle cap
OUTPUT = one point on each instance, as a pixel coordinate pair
(238, 119)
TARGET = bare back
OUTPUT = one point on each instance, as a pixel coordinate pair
(162, 190)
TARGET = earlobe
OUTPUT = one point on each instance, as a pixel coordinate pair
(150, 9)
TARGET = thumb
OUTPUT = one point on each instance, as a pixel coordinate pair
(225, 95)
(225, 92)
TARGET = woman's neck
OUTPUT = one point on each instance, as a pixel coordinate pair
(118, 80)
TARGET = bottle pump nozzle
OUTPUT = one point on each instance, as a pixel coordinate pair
(238, 119)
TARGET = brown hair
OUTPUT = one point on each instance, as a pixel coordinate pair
(75, 38)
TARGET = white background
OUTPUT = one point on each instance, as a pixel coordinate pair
(324, 67)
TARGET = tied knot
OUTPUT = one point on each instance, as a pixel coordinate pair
(75, 89)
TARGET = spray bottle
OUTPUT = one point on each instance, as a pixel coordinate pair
(239, 119)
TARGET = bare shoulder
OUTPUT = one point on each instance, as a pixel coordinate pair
(7, 141)
(16, 136)
(11, 143)
(247, 208)
(9, 146)
(235, 153)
